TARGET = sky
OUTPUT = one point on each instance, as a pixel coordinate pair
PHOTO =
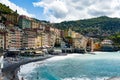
(65, 10)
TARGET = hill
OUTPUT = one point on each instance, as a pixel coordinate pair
(100, 26)
(5, 9)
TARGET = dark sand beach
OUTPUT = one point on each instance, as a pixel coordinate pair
(9, 72)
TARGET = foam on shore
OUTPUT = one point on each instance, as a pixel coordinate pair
(29, 68)
(56, 58)
(25, 69)
(85, 78)
(91, 56)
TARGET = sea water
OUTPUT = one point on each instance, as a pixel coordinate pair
(101, 66)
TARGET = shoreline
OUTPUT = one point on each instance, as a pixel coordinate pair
(10, 72)
(57, 58)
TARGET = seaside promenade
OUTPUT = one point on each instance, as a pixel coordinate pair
(11, 66)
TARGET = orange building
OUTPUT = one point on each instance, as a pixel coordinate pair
(96, 46)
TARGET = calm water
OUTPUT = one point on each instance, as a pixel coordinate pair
(102, 66)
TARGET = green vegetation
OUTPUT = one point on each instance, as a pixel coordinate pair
(95, 26)
(5, 9)
(116, 39)
(101, 27)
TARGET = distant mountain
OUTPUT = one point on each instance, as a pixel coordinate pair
(100, 26)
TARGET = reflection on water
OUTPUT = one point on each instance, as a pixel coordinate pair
(75, 67)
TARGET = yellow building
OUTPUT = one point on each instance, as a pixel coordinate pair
(38, 41)
(35, 23)
(73, 34)
(66, 33)
(70, 32)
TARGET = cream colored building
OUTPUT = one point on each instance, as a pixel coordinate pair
(38, 41)
(35, 23)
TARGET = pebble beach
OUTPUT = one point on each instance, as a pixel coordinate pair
(12, 65)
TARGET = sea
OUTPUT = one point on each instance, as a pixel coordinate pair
(97, 66)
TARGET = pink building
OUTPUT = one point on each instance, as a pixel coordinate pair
(14, 38)
(29, 38)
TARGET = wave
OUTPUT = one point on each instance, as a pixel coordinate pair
(56, 58)
(97, 55)
(29, 68)
(86, 78)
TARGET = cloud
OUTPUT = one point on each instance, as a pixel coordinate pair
(64, 10)
(94, 12)
(14, 7)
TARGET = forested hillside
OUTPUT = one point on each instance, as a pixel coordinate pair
(5, 9)
(102, 26)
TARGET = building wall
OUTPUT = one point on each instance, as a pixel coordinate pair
(18, 34)
(31, 42)
(25, 40)
(52, 29)
(76, 43)
(13, 18)
(29, 38)
(1, 41)
(24, 22)
(15, 38)
(66, 33)
(70, 33)
(2, 36)
(41, 27)
(73, 34)
(44, 39)
(35, 23)
(47, 39)
(78, 35)
(7, 40)
(38, 41)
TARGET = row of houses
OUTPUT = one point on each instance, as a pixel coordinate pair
(14, 37)
(26, 38)
(20, 31)
(25, 32)
(94, 44)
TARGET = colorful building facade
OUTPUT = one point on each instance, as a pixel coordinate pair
(35, 23)
(24, 22)
(14, 38)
